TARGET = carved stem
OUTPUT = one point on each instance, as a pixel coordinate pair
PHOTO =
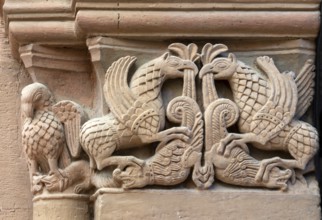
(208, 90)
(189, 87)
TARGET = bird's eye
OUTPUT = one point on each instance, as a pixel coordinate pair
(221, 65)
(173, 63)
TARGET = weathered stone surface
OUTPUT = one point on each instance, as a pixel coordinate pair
(60, 207)
(63, 45)
(15, 197)
(220, 203)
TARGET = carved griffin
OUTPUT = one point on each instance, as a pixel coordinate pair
(267, 107)
(137, 114)
(270, 106)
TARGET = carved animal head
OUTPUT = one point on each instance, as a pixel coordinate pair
(34, 97)
(173, 67)
(222, 68)
(56, 182)
(278, 178)
(131, 177)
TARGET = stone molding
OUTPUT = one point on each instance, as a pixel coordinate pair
(70, 22)
(224, 204)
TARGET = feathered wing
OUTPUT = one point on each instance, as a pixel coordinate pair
(305, 87)
(117, 93)
(72, 116)
(281, 105)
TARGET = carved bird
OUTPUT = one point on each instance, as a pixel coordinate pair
(270, 108)
(137, 112)
(47, 129)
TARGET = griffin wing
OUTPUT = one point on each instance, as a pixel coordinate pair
(281, 105)
(305, 87)
(117, 93)
(72, 116)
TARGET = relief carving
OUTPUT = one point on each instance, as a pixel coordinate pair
(266, 106)
(50, 136)
(269, 106)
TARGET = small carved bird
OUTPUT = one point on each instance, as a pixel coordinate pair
(47, 129)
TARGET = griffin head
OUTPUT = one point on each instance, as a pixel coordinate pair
(173, 67)
(35, 96)
(222, 68)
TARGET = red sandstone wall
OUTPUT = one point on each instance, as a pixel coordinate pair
(15, 198)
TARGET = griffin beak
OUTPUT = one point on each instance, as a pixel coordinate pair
(206, 69)
(191, 66)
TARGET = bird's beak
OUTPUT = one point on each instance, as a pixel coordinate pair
(205, 70)
(27, 110)
(191, 66)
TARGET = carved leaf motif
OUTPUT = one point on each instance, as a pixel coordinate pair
(185, 52)
(210, 52)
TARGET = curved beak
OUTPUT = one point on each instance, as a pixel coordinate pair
(227, 73)
(223, 74)
(187, 64)
(206, 69)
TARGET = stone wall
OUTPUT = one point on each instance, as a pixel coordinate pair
(15, 197)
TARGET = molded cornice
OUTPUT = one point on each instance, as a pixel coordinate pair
(71, 22)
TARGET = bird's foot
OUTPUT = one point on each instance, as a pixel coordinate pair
(36, 175)
(36, 188)
(127, 161)
(37, 184)
(82, 187)
(268, 164)
(181, 133)
(298, 177)
(231, 141)
(179, 130)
